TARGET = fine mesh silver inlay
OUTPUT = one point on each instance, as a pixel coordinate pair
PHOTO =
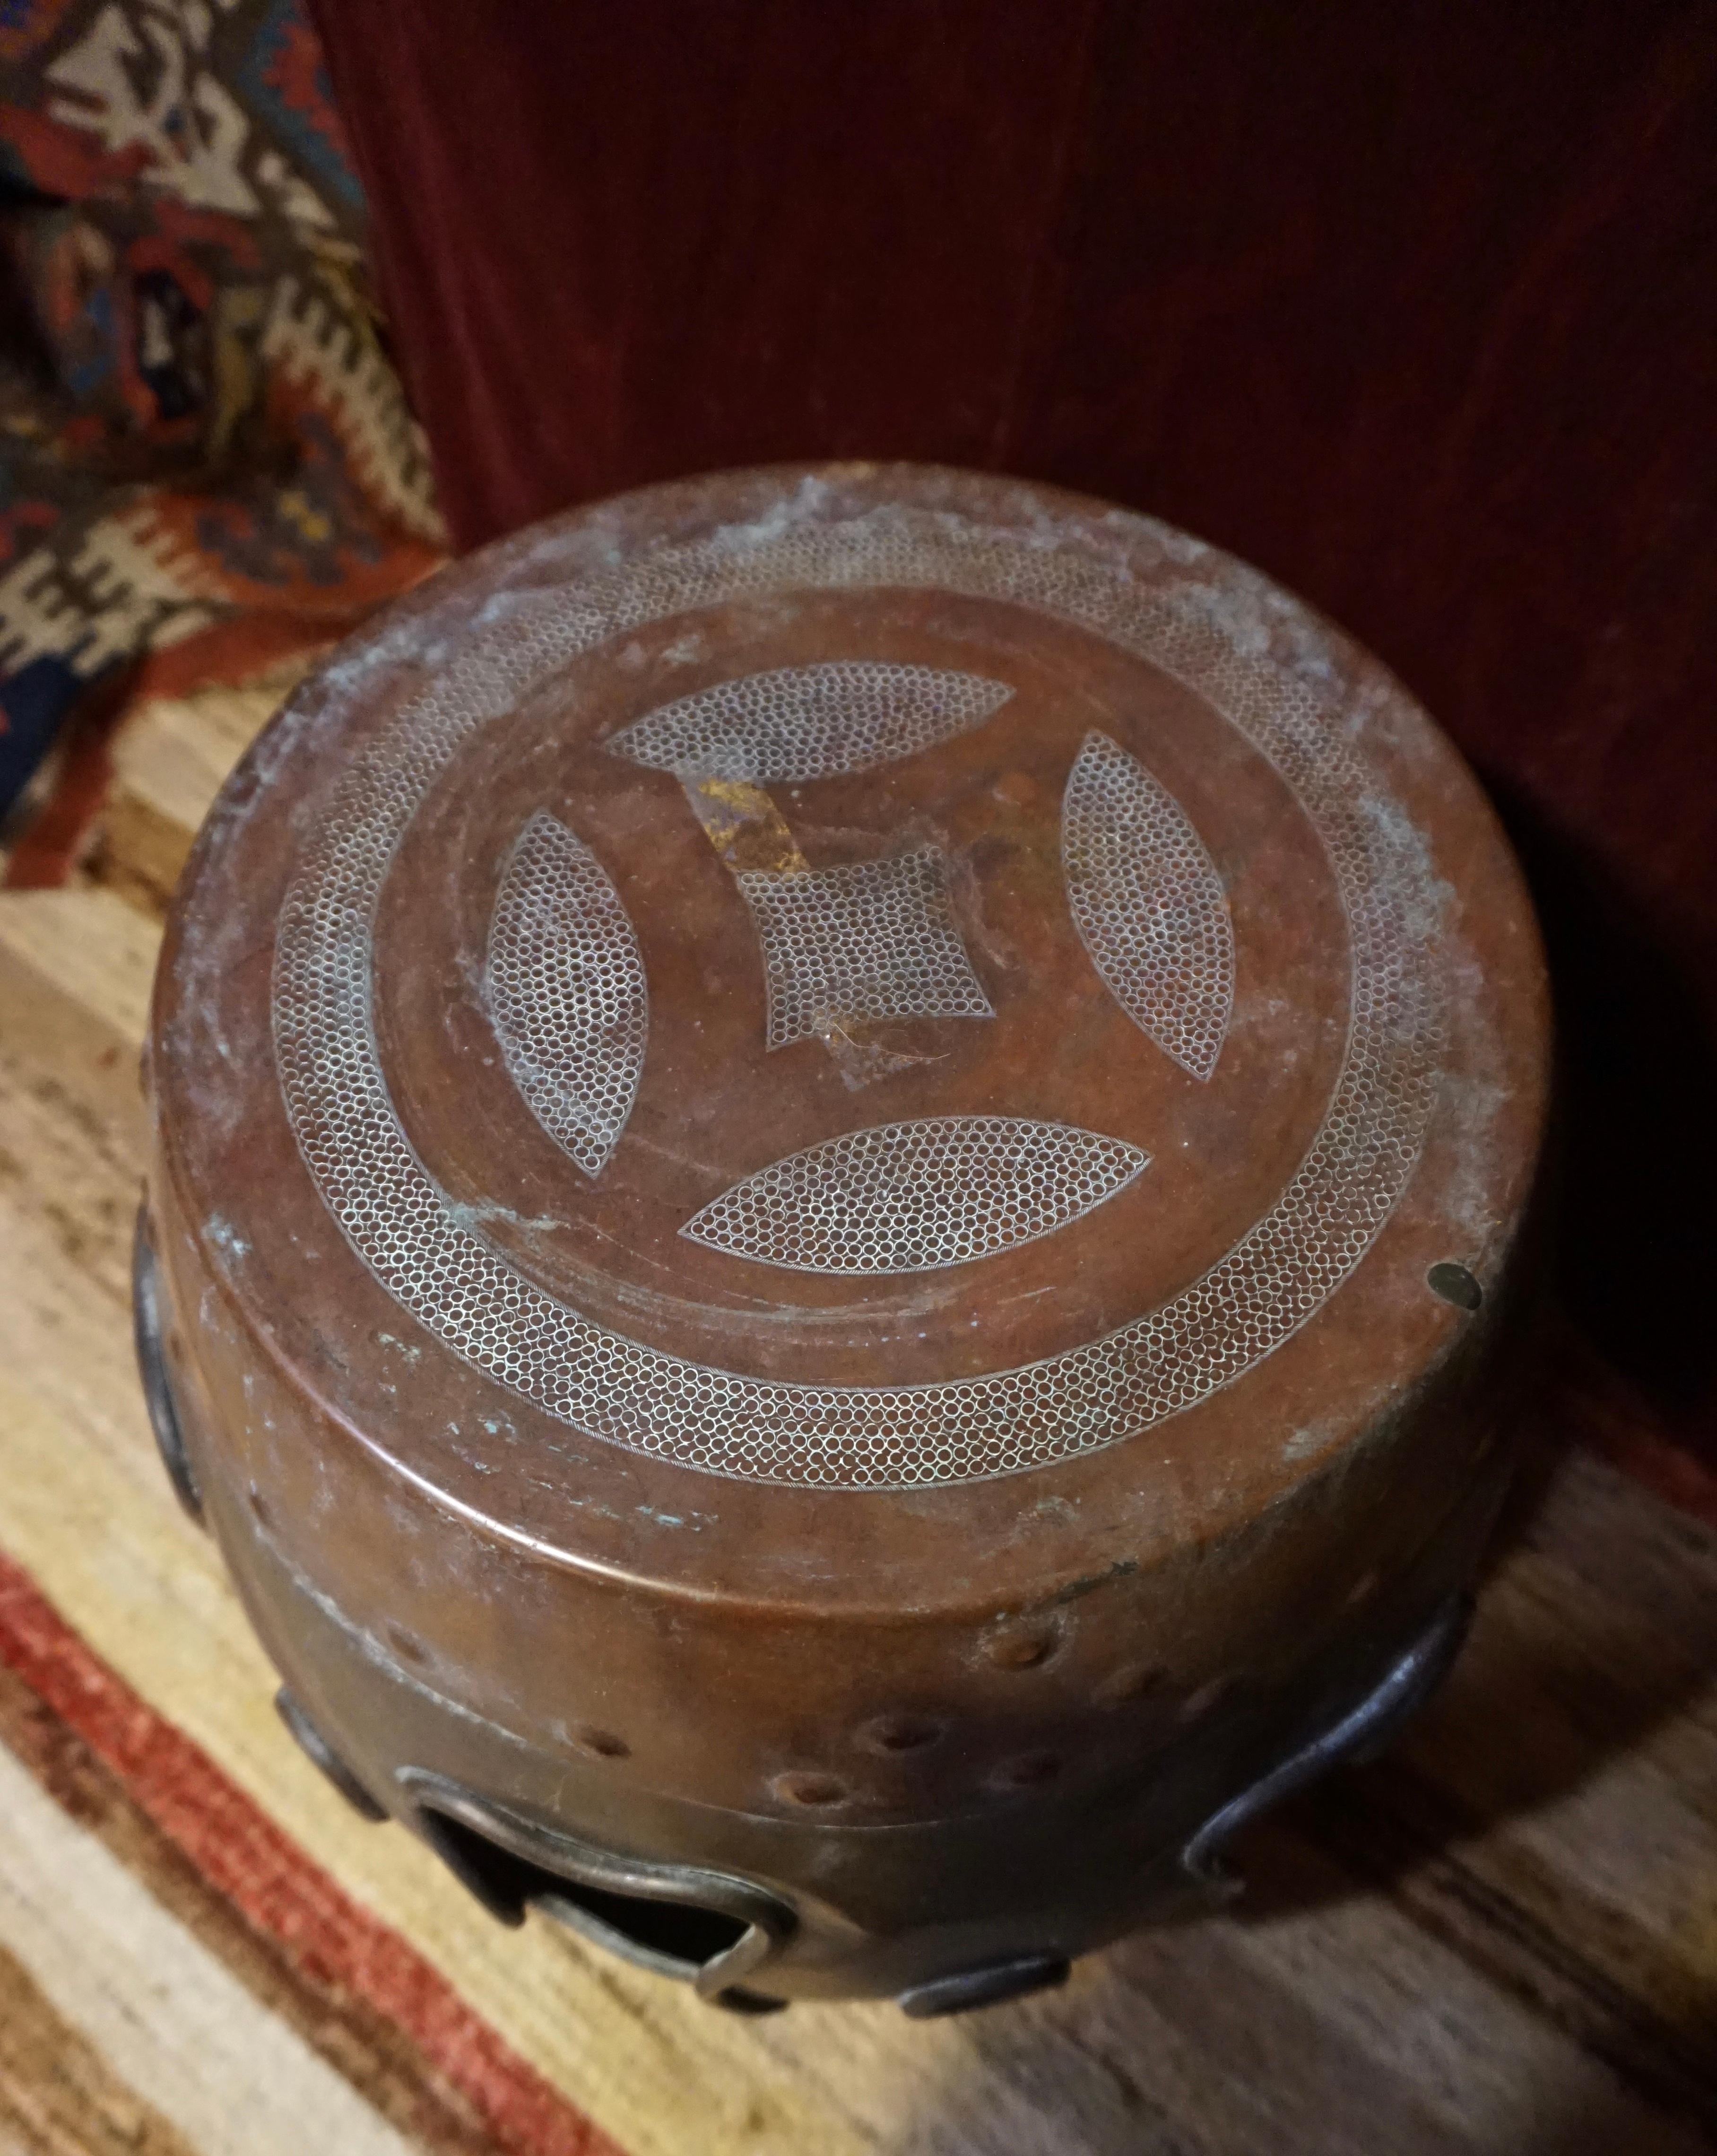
(905, 1197)
(1148, 904)
(1213, 626)
(810, 721)
(866, 940)
(567, 991)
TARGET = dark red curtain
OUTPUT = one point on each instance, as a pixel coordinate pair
(1414, 306)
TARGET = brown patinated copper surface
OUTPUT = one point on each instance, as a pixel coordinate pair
(841, 1159)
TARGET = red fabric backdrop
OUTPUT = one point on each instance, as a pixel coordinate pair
(1415, 306)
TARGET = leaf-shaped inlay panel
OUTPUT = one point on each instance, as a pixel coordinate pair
(567, 991)
(907, 1198)
(1148, 904)
(798, 722)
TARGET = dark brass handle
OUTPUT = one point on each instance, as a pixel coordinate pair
(1404, 1689)
(151, 1367)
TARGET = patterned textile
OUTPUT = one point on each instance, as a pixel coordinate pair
(202, 443)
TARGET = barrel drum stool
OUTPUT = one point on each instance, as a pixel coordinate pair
(840, 1204)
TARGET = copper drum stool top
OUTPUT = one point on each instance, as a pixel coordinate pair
(840, 1170)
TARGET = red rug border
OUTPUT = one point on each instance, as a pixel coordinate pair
(278, 1888)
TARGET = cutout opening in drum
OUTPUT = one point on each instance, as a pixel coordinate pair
(674, 1937)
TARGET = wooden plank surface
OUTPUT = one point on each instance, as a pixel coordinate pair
(1501, 1938)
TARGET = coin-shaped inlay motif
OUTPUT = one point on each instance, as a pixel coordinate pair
(1136, 877)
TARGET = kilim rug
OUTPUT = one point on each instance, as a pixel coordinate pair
(206, 461)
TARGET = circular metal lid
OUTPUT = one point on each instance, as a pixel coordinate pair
(830, 1007)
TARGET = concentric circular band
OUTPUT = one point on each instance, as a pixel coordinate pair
(1205, 627)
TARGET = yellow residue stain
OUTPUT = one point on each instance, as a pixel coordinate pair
(745, 827)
